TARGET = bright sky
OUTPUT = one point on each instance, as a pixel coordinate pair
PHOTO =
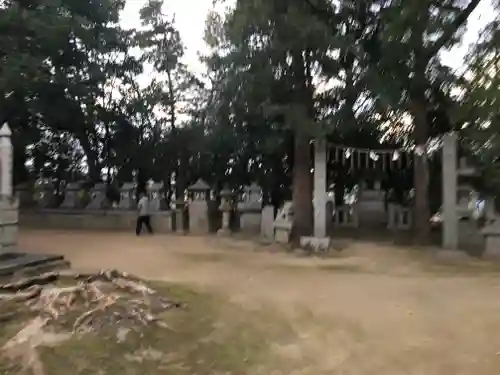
(190, 19)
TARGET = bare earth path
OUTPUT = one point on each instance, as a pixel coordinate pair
(374, 310)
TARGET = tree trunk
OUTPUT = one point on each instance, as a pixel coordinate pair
(421, 175)
(94, 168)
(302, 188)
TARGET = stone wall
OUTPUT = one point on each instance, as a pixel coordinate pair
(102, 220)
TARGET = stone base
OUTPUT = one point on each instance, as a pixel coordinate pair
(12, 263)
(224, 232)
(199, 221)
(282, 235)
(250, 222)
(267, 222)
(492, 235)
(316, 244)
(492, 247)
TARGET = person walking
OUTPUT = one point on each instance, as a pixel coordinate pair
(143, 215)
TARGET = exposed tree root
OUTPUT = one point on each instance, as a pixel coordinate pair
(75, 304)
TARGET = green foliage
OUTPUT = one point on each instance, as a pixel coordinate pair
(480, 110)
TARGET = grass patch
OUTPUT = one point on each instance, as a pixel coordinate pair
(209, 336)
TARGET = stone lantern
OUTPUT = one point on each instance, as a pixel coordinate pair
(198, 207)
(199, 191)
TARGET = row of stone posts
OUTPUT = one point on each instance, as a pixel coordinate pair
(44, 196)
(252, 217)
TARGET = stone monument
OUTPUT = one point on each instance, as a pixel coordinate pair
(399, 217)
(127, 196)
(283, 224)
(71, 199)
(99, 200)
(250, 209)
(198, 207)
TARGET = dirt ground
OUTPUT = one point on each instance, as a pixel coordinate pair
(372, 309)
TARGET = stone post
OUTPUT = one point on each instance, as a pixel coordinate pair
(320, 240)
(9, 205)
(226, 209)
(198, 207)
(267, 223)
(320, 185)
(5, 161)
(450, 217)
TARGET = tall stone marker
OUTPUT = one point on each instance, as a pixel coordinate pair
(198, 208)
(5, 161)
(450, 214)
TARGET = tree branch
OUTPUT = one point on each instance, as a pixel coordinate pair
(452, 28)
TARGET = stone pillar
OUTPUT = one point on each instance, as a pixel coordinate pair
(450, 218)
(127, 196)
(5, 161)
(226, 209)
(320, 242)
(9, 205)
(320, 186)
(198, 207)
